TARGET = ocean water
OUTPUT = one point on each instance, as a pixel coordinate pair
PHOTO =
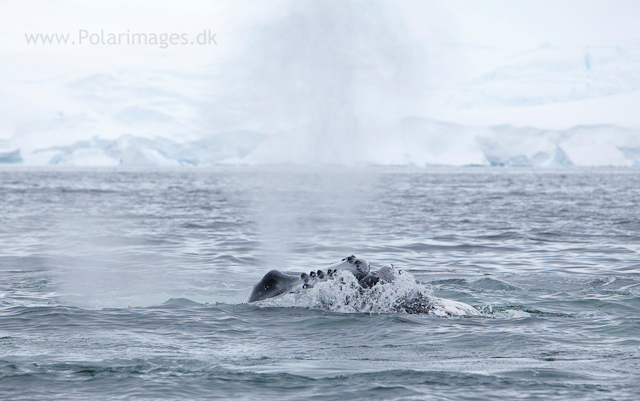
(133, 284)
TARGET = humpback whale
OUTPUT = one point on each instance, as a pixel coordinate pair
(276, 283)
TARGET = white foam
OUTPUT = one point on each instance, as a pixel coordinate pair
(344, 294)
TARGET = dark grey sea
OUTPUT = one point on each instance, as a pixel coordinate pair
(132, 284)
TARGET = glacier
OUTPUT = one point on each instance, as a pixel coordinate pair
(354, 99)
(130, 150)
(548, 107)
(414, 142)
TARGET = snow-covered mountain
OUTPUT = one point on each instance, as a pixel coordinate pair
(313, 92)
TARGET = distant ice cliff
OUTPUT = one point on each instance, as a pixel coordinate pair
(414, 142)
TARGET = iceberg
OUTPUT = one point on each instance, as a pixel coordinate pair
(10, 156)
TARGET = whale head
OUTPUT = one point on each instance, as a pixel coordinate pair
(358, 267)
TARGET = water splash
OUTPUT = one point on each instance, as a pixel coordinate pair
(344, 294)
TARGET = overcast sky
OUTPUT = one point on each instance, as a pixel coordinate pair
(506, 25)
